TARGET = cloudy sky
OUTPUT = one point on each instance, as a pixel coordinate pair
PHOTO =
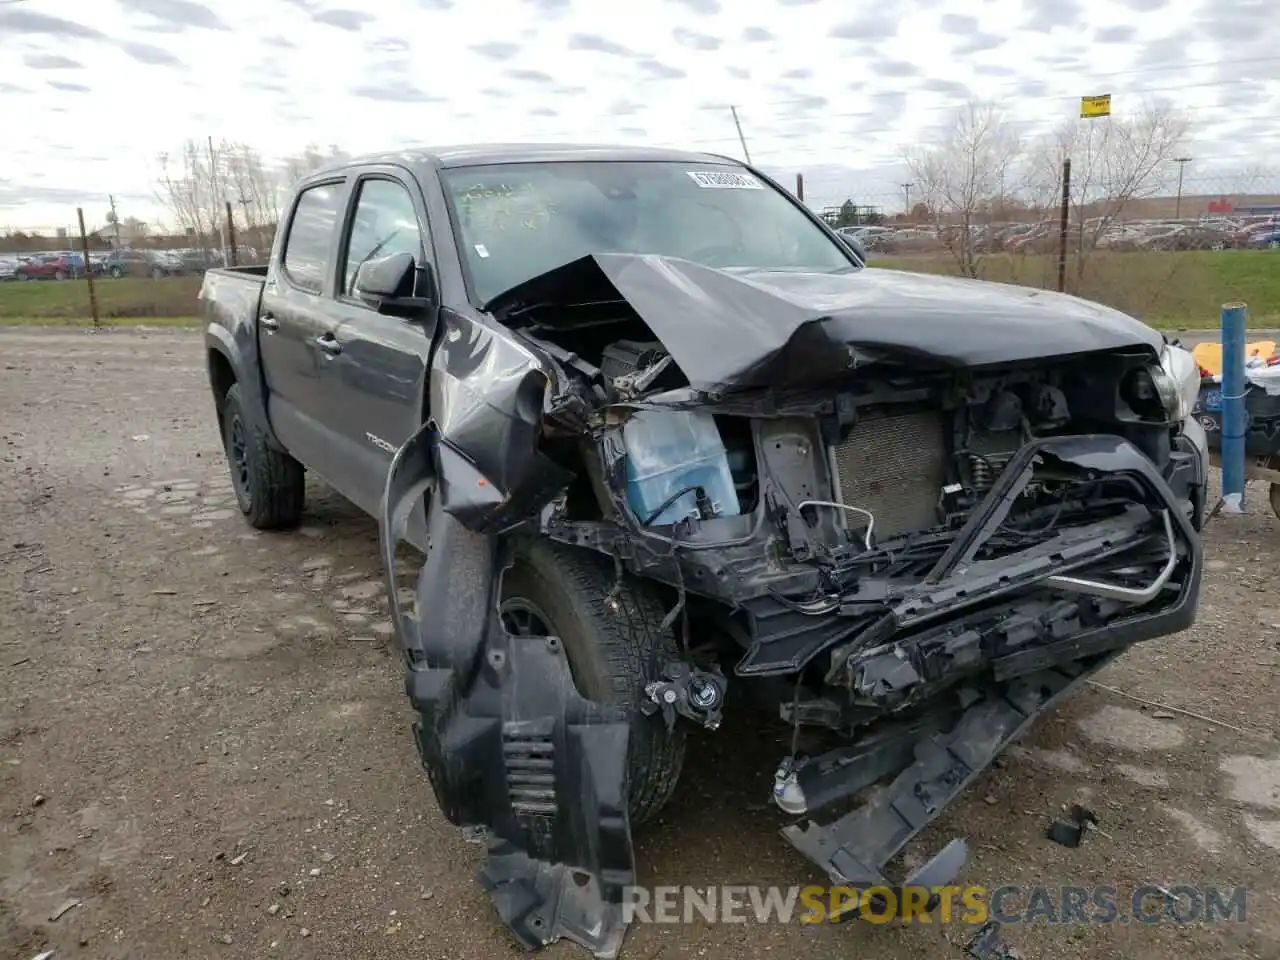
(94, 90)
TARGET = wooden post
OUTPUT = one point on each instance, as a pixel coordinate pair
(88, 273)
(232, 256)
(1063, 227)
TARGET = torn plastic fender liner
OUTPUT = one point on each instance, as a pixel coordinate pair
(508, 743)
(487, 398)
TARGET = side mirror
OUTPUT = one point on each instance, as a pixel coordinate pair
(854, 245)
(396, 286)
(385, 277)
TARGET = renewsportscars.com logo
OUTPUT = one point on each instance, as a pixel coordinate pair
(1148, 904)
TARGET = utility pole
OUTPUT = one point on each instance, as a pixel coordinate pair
(215, 182)
(115, 219)
(1177, 204)
(741, 139)
(906, 199)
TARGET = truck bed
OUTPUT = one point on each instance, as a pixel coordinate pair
(230, 296)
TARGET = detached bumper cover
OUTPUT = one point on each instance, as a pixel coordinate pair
(508, 744)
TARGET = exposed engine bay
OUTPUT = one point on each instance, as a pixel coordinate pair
(915, 550)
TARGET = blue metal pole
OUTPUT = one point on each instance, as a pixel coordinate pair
(1234, 420)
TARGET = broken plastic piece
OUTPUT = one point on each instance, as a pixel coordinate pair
(855, 848)
(987, 944)
(1071, 834)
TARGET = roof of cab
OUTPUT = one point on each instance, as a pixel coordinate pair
(475, 154)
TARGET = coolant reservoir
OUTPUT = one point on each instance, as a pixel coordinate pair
(669, 451)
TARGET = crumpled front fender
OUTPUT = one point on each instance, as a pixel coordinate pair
(508, 743)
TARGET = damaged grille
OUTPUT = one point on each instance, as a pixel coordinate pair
(529, 753)
(894, 465)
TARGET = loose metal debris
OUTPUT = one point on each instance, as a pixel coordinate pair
(1071, 833)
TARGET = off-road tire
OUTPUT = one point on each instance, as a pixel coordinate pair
(615, 644)
(269, 484)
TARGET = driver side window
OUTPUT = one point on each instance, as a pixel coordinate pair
(384, 222)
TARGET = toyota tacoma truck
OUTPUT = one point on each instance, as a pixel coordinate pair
(657, 433)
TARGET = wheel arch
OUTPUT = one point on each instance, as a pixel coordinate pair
(227, 365)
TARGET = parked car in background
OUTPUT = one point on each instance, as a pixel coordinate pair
(141, 263)
(1189, 237)
(1266, 239)
(8, 269)
(51, 266)
(198, 261)
(871, 238)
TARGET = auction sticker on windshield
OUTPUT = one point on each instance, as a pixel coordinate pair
(724, 180)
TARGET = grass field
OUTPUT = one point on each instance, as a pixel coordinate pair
(129, 299)
(1167, 290)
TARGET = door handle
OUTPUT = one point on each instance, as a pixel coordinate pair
(329, 344)
(269, 322)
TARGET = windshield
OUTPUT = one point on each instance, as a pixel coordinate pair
(516, 221)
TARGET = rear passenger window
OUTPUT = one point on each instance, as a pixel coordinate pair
(306, 249)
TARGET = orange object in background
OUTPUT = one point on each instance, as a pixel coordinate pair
(1209, 355)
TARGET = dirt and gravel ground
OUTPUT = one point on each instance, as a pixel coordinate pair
(203, 737)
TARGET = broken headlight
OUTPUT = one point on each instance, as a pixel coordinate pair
(1177, 381)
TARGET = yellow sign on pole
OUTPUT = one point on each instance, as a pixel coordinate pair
(1095, 106)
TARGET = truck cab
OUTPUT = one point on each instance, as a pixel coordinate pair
(339, 382)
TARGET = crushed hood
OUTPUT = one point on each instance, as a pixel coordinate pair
(736, 329)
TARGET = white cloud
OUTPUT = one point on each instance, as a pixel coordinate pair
(93, 92)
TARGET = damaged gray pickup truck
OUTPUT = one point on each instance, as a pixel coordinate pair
(665, 440)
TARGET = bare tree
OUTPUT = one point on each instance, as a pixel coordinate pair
(1114, 161)
(182, 188)
(196, 183)
(962, 178)
(311, 159)
(254, 188)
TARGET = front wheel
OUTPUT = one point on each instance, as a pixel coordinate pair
(269, 484)
(116, 273)
(59, 275)
(615, 644)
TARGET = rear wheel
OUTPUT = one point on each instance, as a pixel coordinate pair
(269, 484)
(615, 645)
(116, 273)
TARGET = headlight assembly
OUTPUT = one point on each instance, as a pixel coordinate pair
(1177, 381)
